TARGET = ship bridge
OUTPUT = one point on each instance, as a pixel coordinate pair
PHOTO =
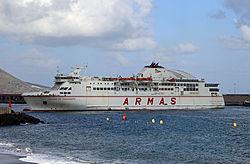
(157, 72)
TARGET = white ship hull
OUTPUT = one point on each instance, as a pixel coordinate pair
(115, 103)
(154, 88)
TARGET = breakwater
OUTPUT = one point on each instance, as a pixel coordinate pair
(236, 99)
(17, 118)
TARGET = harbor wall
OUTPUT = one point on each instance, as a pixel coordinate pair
(235, 99)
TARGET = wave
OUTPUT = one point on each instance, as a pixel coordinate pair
(27, 155)
(49, 159)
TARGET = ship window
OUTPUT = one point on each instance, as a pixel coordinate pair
(105, 88)
(214, 90)
(97, 88)
(108, 88)
(61, 88)
(112, 88)
(94, 88)
(65, 92)
(61, 92)
(45, 102)
(69, 88)
(101, 88)
(69, 92)
(211, 85)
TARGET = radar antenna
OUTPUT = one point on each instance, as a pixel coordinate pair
(58, 69)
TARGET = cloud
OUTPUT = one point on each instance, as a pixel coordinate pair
(34, 58)
(188, 48)
(183, 48)
(233, 43)
(31, 65)
(160, 56)
(245, 32)
(143, 43)
(173, 55)
(119, 58)
(169, 59)
(218, 15)
(67, 22)
(241, 8)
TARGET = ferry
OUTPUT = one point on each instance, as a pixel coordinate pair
(153, 88)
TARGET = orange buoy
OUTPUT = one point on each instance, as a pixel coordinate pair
(124, 116)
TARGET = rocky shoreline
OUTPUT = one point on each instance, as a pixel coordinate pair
(17, 118)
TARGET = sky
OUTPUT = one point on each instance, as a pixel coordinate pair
(209, 39)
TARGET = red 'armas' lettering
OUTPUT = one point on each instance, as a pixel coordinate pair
(173, 100)
(138, 100)
(151, 101)
(125, 101)
(162, 101)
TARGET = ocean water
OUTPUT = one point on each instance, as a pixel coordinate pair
(186, 136)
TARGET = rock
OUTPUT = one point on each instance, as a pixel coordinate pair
(17, 119)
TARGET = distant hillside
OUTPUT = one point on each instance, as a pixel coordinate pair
(11, 84)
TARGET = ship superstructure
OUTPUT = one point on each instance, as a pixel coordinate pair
(153, 88)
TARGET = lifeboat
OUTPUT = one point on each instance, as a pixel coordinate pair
(171, 80)
(130, 79)
(127, 79)
(113, 79)
(144, 79)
